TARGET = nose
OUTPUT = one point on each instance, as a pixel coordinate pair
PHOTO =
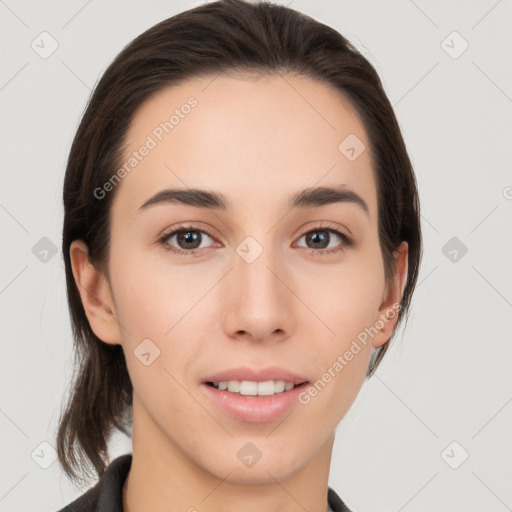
(259, 301)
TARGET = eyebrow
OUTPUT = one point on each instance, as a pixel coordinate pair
(308, 198)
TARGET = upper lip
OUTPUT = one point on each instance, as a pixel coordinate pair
(256, 375)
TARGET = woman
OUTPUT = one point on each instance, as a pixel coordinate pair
(241, 240)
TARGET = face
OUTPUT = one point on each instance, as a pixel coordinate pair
(264, 287)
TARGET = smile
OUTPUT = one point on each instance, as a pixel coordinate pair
(253, 388)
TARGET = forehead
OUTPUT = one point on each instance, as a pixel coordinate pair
(254, 139)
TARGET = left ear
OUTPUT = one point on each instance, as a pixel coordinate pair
(392, 297)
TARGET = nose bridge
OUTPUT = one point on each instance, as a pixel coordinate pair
(253, 269)
(259, 302)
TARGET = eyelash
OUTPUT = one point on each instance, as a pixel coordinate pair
(346, 240)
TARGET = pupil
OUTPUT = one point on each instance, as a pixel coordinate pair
(188, 237)
(315, 238)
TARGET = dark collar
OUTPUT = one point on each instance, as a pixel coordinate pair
(106, 495)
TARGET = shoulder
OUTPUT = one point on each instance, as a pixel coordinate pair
(106, 495)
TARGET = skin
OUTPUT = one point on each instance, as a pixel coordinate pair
(257, 142)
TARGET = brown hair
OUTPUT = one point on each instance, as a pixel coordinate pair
(227, 36)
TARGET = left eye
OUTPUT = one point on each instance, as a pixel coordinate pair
(322, 237)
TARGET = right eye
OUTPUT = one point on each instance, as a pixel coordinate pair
(188, 239)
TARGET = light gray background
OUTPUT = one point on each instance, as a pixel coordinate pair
(446, 379)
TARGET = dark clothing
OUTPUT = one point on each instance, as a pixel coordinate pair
(106, 495)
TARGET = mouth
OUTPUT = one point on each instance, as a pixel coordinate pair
(254, 396)
(255, 388)
(253, 401)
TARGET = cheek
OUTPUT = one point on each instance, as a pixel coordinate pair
(166, 304)
(347, 298)
(152, 296)
(347, 303)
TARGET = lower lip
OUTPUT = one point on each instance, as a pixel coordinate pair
(254, 409)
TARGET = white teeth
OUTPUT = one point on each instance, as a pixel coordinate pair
(246, 387)
(279, 386)
(234, 386)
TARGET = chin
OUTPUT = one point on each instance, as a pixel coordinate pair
(267, 466)
(259, 474)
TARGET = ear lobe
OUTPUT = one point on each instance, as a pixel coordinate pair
(388, 311)
(95, 294)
